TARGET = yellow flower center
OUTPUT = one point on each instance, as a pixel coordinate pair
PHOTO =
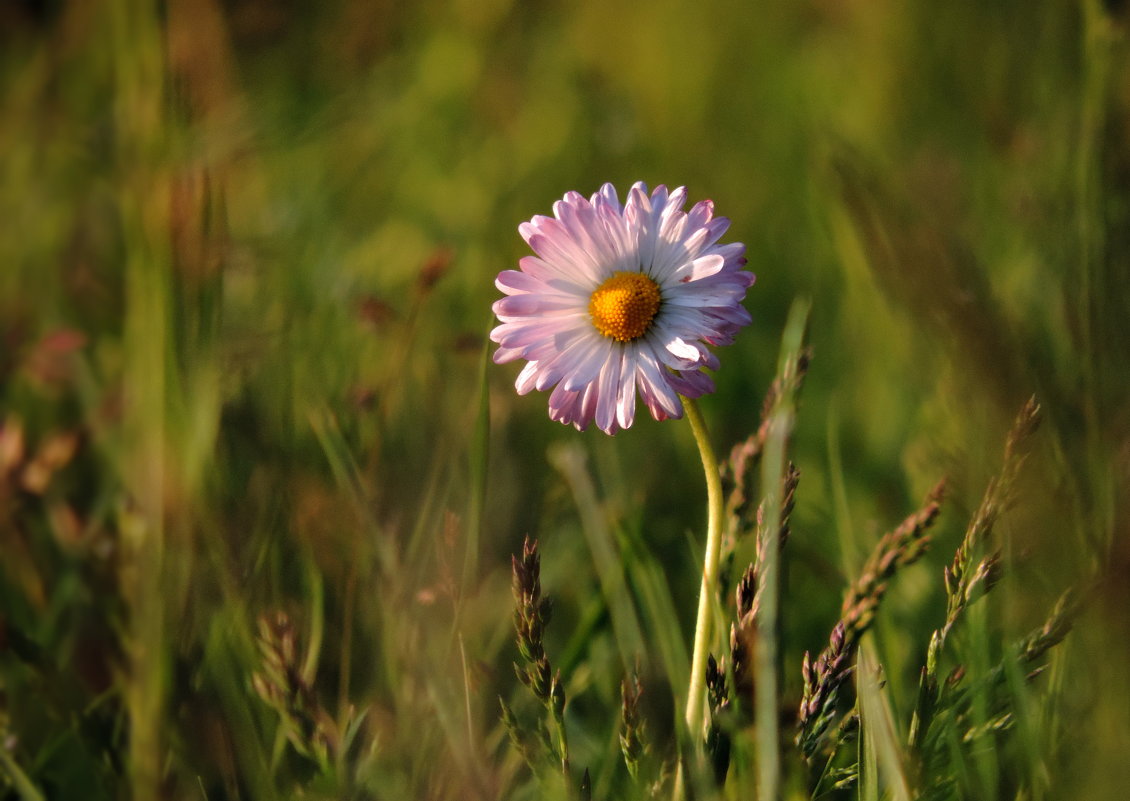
(624, 306)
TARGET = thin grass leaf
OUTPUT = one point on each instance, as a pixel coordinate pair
(23, 785)
(773, 467)
(569, 460)
(653, 594)
(879, 732)
(478, 470)
(349, 478)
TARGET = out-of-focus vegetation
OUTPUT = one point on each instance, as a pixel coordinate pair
(259, 490)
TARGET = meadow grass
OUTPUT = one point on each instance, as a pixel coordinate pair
(261, 485)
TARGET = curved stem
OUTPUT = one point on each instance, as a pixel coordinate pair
(696, 691)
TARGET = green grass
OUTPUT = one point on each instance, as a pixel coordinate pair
(248, 427)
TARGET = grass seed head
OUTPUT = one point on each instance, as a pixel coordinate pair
(632, 744)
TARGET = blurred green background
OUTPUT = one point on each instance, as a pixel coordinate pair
(247, 251)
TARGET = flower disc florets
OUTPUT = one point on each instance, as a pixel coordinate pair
(624, 306)
(620, 299)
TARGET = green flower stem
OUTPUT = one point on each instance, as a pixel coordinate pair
(696, 691)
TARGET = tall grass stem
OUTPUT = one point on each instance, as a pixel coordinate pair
(135, 31)
(570, 460)
(781, 420)
(479, 466)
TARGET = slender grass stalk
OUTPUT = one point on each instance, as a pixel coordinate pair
(879, 735)
(471, 741)
(657, 608)
(349, 477)
(773, 467)
(478, 467)
(1098, 39)
(570, 461)
(849, 548)
(20, 781)
(765, 656)
(142, 203)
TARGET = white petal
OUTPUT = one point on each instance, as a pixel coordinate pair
(558, 247)
(654, 387)
(608, 192)
(682, 349)
(609, 385)
(535, 305)
(626, 399)
(526, 378)
(591, 356)
(697, 269)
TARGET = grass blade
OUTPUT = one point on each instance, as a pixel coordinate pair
(773, 464)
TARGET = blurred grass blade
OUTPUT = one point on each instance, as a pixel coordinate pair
(136, 36)
(569, 460)
(316, 593)
(478, 468)
(781, 420)
(658, 609)
(348, 476)
(228, 660)
(20, 781)
(849, 546)
(878, 728)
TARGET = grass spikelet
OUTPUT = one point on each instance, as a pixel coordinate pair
(741, 466)
(718, 742)
(824, 677)
(280, 683)
(968, 578)
(970, 712)
(743, 633)
(822, 681)
(901, 547)
(518, 738)
(1052, 633)
(632, 743)
(788, 501)
(997, 498)
(747, 593)
(746, 454)
(531, 616)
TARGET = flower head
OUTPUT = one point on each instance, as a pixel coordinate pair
(620, 299)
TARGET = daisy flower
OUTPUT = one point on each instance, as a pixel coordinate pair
(621, 299)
